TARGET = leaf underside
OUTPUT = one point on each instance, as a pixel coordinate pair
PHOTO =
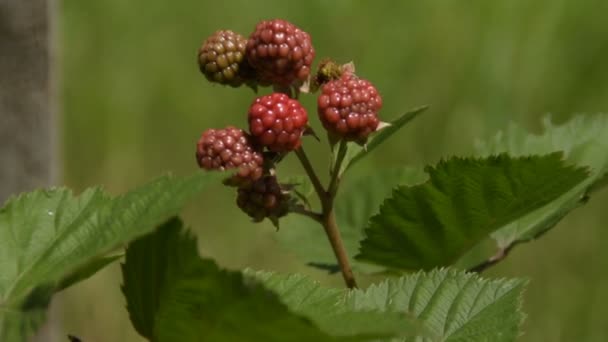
(441, 305)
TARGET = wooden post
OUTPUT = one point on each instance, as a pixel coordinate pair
(27, 123)
(27, 146)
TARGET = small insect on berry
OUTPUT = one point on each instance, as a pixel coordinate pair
(263, 198)
(230, 148)
(348, 108)
(221, 59)
(277, 122)
(280, 52)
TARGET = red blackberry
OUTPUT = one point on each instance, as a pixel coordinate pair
(230, 148)
(221, 59)
(277, 122)
(348, 108)
(263, 198)
(280, 52)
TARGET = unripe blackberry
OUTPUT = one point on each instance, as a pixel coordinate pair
(263, 198)
(280, 52)
(230, 148)
(348, 108)
(277, 122)
(221, 59)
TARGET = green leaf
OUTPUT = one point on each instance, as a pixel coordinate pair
(36, 225)
(148, 265)
(442, 305)
(584, 141)
(47, 235)
(464, 200)
(355, 152)
(21, 322)
(454, 305)
(359, 200)
(174, 295)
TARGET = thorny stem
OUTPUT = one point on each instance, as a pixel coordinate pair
(328, 217)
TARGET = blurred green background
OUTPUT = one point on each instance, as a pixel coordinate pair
(134, 104)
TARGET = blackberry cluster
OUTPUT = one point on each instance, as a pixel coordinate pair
(280, 54)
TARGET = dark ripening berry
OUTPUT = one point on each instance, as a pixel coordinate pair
(280, 52)
(277, 122)
(221, 59)
(348, 108)
(263, 198)
(230, 148)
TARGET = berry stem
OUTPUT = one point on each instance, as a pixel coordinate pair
(335, 172)
(328, 217)
(316, 183)
(285, 90)
(305, 212)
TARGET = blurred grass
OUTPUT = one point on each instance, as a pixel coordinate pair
(134, 104)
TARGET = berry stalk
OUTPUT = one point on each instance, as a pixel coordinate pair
(335, 172)
(328, 217)
(310, 214)
(316, 183)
